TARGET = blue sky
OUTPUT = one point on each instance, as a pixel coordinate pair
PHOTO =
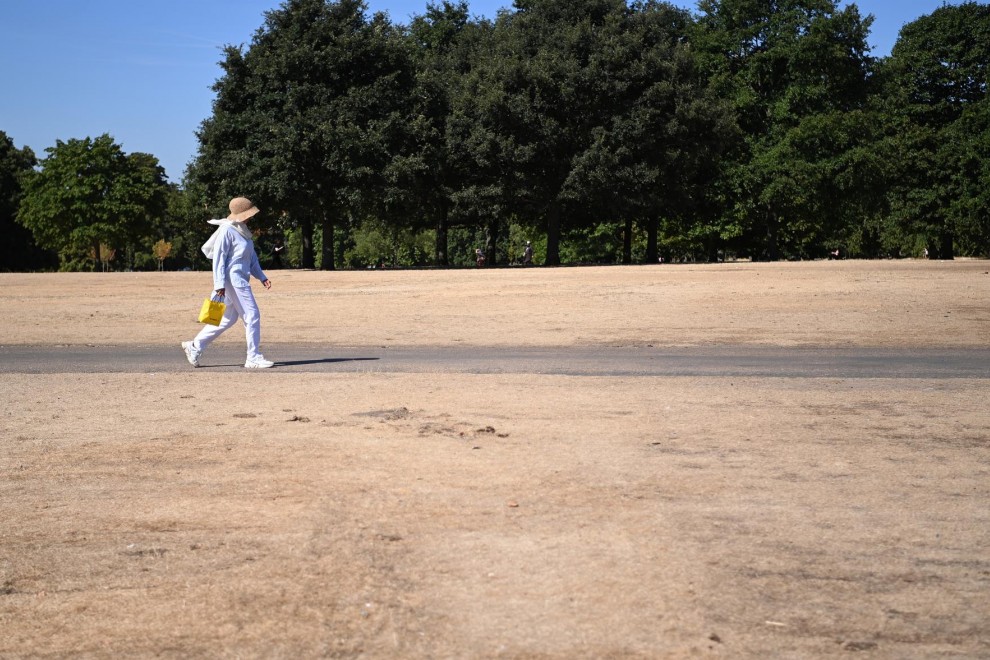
(141, 71)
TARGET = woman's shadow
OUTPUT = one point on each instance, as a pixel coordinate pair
(299, 363)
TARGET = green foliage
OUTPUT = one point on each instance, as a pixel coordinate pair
(17, 249)
(966, 157)
(376, 244)
(756, 128)
(184, 225)
(598, 243)
(306, 120)
(463, 242)
(442, 43)
(90, 194)
(936, 97)
(792, 68)
(602, 131)
(292, 255)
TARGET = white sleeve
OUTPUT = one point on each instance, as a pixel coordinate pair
(221, 260)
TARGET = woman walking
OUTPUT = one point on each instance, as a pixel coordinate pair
(234, 262)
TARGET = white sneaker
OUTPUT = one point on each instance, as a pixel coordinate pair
(258, 362)
(191, 353)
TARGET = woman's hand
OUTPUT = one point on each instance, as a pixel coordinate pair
(220, 292)
(268, 284)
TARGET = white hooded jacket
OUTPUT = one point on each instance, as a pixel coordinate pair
(231, 249)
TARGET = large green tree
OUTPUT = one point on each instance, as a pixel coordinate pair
(589, 111)
(444, 43)
(785, 65)
(966, 157)
(307, 119)
(655, 155)
(89, 195)
(17, 250)
(484, 149)
(556, 97)
(527, 109)
(936, 86)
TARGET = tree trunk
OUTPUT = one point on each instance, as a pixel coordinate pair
(553, 234)
(627, 242)
(711, 248)
(773, 249)
(326, 255)
(946, 249)
(652, 243)
(440, 255)
(308, 255)
(491, 242)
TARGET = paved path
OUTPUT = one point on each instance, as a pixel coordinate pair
(735, 361)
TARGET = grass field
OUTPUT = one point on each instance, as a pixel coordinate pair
(376, 514)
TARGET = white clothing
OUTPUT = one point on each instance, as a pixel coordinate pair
(240, 304)
(210, 245)
(234, 262)
(234, 259)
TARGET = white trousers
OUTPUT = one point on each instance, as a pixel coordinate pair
(240, 304)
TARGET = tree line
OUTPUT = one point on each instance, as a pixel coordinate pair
(603, 131)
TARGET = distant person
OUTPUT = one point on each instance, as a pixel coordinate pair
(528, 254)
(231, 249)
(479, 257)
(277, 256)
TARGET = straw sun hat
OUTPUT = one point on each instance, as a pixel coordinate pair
(242, 208)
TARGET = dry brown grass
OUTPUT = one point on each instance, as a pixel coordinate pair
(283, 514)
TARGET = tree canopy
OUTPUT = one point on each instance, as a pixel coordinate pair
(90, 198)
(308, 119)
(18, 250)
(936, 94)
(597, 130)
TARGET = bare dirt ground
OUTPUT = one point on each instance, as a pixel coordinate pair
(438, 515)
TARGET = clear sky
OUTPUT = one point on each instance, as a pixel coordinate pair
(142, 70)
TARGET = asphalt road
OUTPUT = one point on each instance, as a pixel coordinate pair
(618, 361)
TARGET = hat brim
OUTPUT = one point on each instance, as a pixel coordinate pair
(244, 215)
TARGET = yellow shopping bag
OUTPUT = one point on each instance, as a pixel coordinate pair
(212, 310)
